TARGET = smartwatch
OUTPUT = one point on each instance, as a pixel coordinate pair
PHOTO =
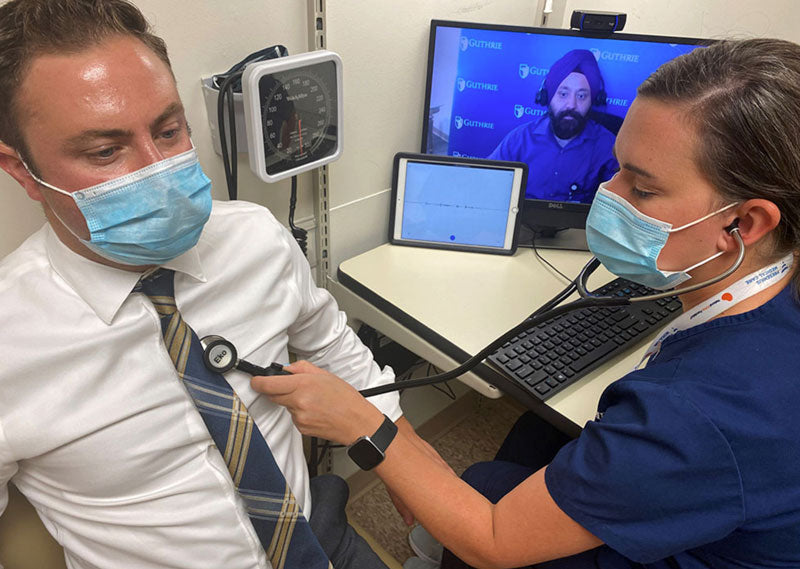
(369, 452)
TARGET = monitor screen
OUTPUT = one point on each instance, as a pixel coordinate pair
(553, 99)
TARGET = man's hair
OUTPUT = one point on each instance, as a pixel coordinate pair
(743, 100)
(30, 28)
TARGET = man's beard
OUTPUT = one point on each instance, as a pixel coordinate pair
(566, 128)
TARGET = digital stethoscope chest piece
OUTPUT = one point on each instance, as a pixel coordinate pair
(219, 354)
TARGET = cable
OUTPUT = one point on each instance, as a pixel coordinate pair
(542, 315)
(230, 161)
(300, 235)
(545, 261)
(229, 83)
(485, 352)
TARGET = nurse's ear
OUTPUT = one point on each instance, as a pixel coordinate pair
(756, 219)
(11, 163)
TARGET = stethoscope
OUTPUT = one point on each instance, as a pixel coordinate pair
(220, 354)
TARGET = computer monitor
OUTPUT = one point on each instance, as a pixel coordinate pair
(554, 99)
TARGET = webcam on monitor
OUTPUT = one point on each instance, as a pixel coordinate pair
(593, 21)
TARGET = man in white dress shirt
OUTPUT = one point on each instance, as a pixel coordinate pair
(96, 428)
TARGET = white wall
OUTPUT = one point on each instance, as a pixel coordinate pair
(203, 37)
(384, 47)
(718, 19)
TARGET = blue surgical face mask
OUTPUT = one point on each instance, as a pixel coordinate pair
(628, 242)
(149, 216)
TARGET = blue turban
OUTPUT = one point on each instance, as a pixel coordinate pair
(579, 60)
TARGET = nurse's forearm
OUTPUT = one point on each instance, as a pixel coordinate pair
(448, 507)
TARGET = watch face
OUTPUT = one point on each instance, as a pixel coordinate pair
(365, 454)
(300, 114)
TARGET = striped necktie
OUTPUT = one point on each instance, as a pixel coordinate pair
(280, 524)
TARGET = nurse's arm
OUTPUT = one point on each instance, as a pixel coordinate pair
(525, 527)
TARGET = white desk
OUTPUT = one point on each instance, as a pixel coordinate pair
(446, 305)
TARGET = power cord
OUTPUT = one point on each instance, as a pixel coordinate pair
(300, 235)
(229, 160)
(545, 261)
(229, 83)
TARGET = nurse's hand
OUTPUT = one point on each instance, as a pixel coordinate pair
(322, 405)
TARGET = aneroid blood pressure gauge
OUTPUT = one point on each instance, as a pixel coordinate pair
(293, 109)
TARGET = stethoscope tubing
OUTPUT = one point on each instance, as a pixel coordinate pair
(544, 314)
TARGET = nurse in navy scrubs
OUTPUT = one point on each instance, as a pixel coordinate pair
(693, 460)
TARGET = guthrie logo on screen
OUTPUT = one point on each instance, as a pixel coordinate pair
(614, 56)
(521, 110)
(525, 70)
(466, 42)
(461, 122)
(462, 84)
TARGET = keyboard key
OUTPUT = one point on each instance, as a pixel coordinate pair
(561, 377)
(537, 377)
(524, 358)
(617, 316)
(514, 365)
(552, 382)
(591, 357)
(542, 388)
(502, 358)
(524, 372)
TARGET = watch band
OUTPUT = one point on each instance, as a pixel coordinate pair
(385, 434)
(369, 451)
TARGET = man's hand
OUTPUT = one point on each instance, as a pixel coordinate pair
(322, 405)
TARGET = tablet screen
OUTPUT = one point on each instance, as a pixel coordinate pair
(463, 204)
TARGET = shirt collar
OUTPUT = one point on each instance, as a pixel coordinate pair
(105, 288)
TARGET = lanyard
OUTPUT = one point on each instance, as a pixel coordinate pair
(740, 290)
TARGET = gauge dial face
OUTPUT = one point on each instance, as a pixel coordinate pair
(300, 116)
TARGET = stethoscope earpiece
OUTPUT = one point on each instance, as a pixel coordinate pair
(734, 226)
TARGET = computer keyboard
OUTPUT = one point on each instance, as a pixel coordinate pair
(555, 354)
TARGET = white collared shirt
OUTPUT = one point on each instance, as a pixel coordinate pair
(97, 430)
